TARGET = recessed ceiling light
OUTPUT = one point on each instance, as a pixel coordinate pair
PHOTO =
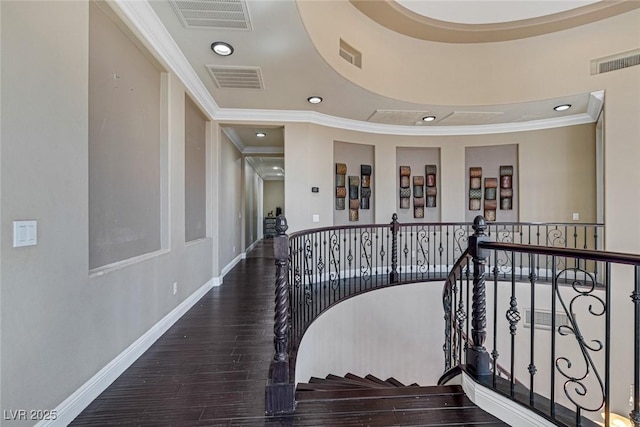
(563, 107)
(428, 118)
(222, 48)
(314, 99)
(275, 168)
(261, 134)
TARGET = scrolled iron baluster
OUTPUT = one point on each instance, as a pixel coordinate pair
(422, 256)
(365, 255)
(334, 245)
(446, 304)
(574, 386)
(461, 240)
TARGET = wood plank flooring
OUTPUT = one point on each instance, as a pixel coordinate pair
(211, 367)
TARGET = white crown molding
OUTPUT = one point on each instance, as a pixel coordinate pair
(234, 138)
(595, 104)
(143, 18)
(262, 150)
(280, 116)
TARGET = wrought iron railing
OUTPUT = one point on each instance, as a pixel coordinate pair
(321, 267)
(546, 344)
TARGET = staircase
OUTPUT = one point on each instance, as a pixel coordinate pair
(353, 400)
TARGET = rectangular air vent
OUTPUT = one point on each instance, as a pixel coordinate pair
(222, 14)
(236, 77)
(397, 117)
(615, 62)
(350, 54)
(543, 319)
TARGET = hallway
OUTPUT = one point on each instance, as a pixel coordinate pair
(211, 367)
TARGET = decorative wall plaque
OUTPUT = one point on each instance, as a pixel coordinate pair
(341, 189)
(506, 187)
(405, 188)
(475, 188)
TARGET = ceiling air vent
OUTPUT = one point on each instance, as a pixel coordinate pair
(350, 54)
(236, 77)
(397, 117)
(615, 62)
(222, 14)
(543, 319)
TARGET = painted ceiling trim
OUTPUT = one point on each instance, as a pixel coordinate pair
(395, 17)
(147, 25)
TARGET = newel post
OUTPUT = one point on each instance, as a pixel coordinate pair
(395, 227)
(634, 415)
(477, 356)
(279, 393)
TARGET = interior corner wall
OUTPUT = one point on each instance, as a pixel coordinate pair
(251, 219)
(231, 202)
(60, 325)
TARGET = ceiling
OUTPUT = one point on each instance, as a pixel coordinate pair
(275, 67)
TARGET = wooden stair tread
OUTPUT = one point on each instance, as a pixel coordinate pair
(377, 380)
(366, 381)
(327, 387)
(365, 393)
(394, 382)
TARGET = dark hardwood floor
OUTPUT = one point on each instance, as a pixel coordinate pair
(211, 367)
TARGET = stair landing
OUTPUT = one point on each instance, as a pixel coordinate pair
(369, 401)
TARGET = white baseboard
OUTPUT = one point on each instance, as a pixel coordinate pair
(500, 407)
(73, 405)
(227, 268)
(253, 245)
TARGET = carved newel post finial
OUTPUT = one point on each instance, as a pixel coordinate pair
(281, 225)
(479, 225)
(477, 356)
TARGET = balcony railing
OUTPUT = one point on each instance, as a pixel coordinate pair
(560, 262)
(546, 343)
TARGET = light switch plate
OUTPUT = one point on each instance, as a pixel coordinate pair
(25, 233)
(316, 218)
(576, 216)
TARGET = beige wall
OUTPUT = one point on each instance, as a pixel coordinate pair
(231, 204)
(124, 145)
(387, 333)
(557, 172)
(273, 196)
(59, 324)
(195, 176)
